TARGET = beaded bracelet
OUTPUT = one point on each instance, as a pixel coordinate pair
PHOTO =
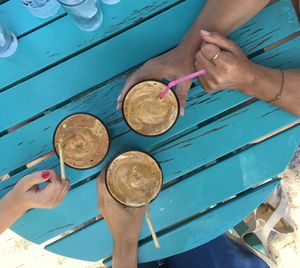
(277, 97)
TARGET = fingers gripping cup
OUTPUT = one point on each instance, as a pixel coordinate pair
(84, 140)
(134, 179)
(146, 113)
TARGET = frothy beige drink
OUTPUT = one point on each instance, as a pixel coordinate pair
(84, 140)
(134, 178)
(146, 113)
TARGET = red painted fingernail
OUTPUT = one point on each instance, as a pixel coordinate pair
(46, 175)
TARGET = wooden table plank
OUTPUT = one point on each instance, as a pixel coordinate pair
(24, 146)
(73, 70)
(200, 231)
(192, 151)
(261, 30)
(246, 169)
(95, 65)
(208, 143)
(95, 242)
(260, 110)
(278, 20)
(198, 103)
(43, 48)
(284, 56)
(15, 16)
(24, 139)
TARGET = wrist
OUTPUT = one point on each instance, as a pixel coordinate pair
(128, 241)
(125, 253)
(13, 204)
(266, 85)
(248, 87)
(124, 247)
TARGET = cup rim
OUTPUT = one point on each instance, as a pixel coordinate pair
(139, 151)
(178, 108)
(108, 147)
(70, 5)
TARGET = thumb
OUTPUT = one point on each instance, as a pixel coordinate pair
(33, 179)
(219, 40)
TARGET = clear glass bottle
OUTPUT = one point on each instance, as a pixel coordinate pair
(87, 13)
(8, 42)
(110, 2)
(42, 8)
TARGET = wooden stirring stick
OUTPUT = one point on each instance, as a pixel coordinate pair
(62, 162)
(148, 220)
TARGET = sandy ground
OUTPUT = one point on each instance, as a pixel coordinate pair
(15, 252)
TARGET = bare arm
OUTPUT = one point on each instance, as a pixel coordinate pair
(125, 224)
(125, 254)
(9, 212)
(232, 69)
(26, 195)
(221, 16)
(267, 85)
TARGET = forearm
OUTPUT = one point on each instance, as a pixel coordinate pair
(125, 254)
(221, 16)
(267, 85)
(9, 212)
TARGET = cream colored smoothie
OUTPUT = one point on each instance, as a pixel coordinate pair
(84, 140)
(146, 113)
(134, 178)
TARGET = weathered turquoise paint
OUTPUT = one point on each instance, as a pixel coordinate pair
(48, 43)
(189, 145)
(181, 239)
(97, 65)
(192, 151)
(200, 230)
(278, 20)
(284, 56)
(14, 15)
(204, 105)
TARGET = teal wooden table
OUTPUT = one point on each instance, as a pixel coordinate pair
(218, 160)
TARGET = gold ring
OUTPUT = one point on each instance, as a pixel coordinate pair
(216, 56)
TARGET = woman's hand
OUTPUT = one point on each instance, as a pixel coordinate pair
(225, 64)
(125, 224)
(27, 194)
(228, 67)
(172, 65)
(117, 216)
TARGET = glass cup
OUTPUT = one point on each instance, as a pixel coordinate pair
(147, 114)
(84, 139)
(87, 13)
(111, 2)
(134, 179)
(8, 42)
